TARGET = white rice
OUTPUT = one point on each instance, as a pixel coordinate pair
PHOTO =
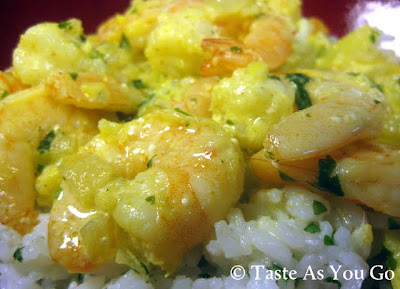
(267, 231)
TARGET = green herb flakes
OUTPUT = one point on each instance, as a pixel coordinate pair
(302, 98)
(177, 109)
(39, 169)
(82, 38)
(275, 77)
(318, 208)
(236, 49)
(65, 25)
(4, 94)
(124, 44)
(392, 224)
(45, 144)
(138, 84)
(73, 75)
(229, 122)
(57, 193)
(150, 162)
(325, 181)
(259, 15)
(80, 278)
(96, 54)
(18, 254)
(146, 270)
(151, 199)
(123, 117)
(146, 100)
(376, 101)
(374, 35)
(328, 240)
(286, 178)
(312, 228)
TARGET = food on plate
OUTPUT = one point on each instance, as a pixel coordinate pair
(187, 142)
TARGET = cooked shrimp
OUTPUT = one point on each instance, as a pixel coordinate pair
(363, 172)
(269, 39)
(341, 113)
(93, 91)
(9, 84)
(197, 98)
(161, 181)
(26, 118)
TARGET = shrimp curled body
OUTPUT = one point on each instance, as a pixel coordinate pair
(154, 186)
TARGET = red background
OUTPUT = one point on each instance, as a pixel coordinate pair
(17, 15)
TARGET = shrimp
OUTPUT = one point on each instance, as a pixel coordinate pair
(269, 39)
(152, 187)
(9, 84)
(93, 91)
(25, 119)
(341, 113)
(363, 172)
(197, 97)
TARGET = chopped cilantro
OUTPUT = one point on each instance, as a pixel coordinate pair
(18, 254)
(391, 261)
(144, 267)
(123, 117)
(308, 115)
(375, 85)
(275, 77)
(4, 94)
(124, 42)
(96, 54)
(325, 181)
(318, 208)
(146, 100)
(45, 144)
(328, 240)
(177, 109)
(392, 224)
(398, 80)
(353, 73)
(259, 15)
(193, 99)
(302, 98)
(150, 162)
(269, 155)
(65, 25)
(229, 122)
(373, 36)
(286, 178)
(312, 228)
(57, 193)
(236, 49)
(73, 75)
(151, 199)
(82, 38)
(203, 262)
(276, 267)
(138, 84)
(377, 101)
(80, 278)
(39, 169)
(334, 281)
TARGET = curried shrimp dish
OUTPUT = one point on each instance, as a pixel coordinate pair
(200, 144)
